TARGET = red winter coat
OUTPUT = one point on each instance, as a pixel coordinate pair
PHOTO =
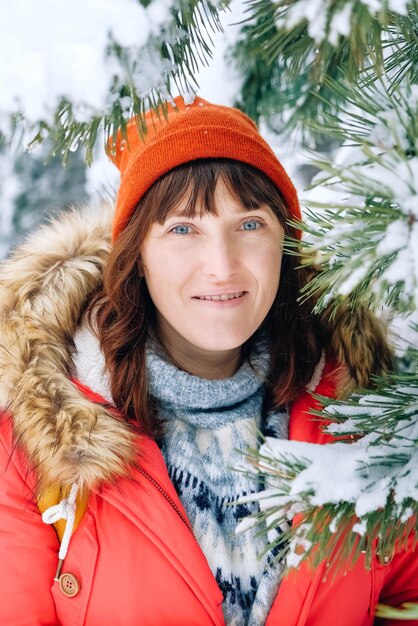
(138, 564)
(132, 561)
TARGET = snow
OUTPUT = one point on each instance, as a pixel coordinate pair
(298, 545)
(353, 410)
(401, 270)
(333, 526)
(359, 478)
(406, 515)
(395, 238)
(323, 24)
(312, 10)
(151, 72)
(64, 55)
(395, 122)
(390, 176)
(353, 279)
(341, 428)
(344, 483)
(385, 164)
(8, 190)
(158, 13)
(406, 485)
(340, 24)
(245, 525)
(399, 6)
(289, 153)
(360, 528)
(340, 473)
(373, 5)
(359, 413)
(402, 332)
(220, 82)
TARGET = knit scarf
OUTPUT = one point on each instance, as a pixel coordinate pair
(209, 426)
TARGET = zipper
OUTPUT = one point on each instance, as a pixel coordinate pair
(166, 496)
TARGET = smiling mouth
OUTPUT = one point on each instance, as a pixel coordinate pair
(223, 296)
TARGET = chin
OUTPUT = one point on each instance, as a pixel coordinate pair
(222, 344)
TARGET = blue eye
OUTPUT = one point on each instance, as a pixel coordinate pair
(181, 229)
(251, 225)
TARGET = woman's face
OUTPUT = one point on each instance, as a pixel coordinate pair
(213, 278)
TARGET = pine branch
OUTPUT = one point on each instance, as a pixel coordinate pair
(143, 77)
(366, 506)
(401, 48)
(359, 88)
(293, 48)
(380, 413)
(407, 611)
(364, 234)
(369, 503)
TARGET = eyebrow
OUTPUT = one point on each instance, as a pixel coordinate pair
(263, 207)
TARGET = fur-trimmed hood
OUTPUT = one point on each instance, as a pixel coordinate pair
(44, 288)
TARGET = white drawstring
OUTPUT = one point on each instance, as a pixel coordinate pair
(317, 375)
(63, 510)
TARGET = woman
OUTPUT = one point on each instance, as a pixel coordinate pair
(134, 379)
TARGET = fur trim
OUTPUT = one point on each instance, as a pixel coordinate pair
(358, 340)
(44, 289)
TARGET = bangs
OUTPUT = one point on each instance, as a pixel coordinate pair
(194, 184)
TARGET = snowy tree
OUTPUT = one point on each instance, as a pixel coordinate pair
(103, 63)
(348, 71)
(343, 76)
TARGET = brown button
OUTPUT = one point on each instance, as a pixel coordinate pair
(299, 549)
(386, 555)
(69, 585)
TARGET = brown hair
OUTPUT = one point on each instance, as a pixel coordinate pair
(123, 311)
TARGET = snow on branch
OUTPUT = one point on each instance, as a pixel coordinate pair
(96, 65)
(327, 20)
(363, 491)
(301, 44)
(365, 232)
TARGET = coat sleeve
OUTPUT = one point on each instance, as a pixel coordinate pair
(28, 547)
(401, 583)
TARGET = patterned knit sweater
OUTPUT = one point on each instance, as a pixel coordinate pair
(209, 424)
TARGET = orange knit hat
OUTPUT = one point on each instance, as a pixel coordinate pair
(190, 131)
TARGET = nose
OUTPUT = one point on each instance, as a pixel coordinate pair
(220, 258)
